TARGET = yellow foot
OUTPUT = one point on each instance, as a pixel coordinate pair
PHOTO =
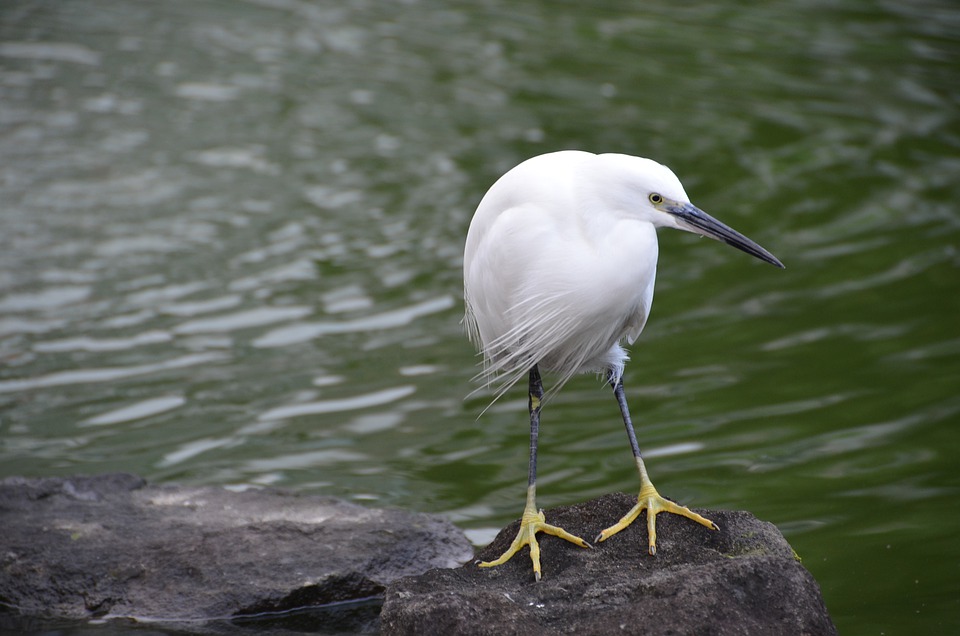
(531, 523)
(651, 501)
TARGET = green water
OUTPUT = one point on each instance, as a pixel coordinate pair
(231, 232)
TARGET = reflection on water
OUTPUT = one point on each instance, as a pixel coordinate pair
(343, 404)
(230, 242)
(139, 410)
(85, 376)
(297, 333)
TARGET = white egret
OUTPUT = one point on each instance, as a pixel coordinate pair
(558, 269)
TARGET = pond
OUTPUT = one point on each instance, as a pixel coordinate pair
(231, 236)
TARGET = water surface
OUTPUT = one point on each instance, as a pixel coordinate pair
(231, 238)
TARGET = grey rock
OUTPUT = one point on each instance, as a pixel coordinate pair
(743, 579)
(114, 546)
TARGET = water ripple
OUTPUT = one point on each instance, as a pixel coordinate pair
(366, 400)
(86, 343)
(194, 308)
(137, 411)
(207, 92)
(84, 376)
(192, 449)
(50, 298)
(242, 320)
(309, 460)
(51, 51)
(32, 326)
(304, 332)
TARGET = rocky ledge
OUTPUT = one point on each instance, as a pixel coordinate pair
(211, 560)
(743, 579)
(113, 546)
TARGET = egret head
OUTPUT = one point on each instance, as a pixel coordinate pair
(654, 193)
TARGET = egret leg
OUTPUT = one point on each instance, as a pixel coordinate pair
(533, 520)
(649, 499)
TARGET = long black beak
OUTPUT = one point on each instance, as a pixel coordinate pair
(699, 222)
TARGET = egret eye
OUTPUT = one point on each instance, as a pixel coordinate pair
(655, 198)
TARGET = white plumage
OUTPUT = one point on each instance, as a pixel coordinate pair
(560, 263)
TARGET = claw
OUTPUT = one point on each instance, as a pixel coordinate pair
(530, 524)
(651, 501)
